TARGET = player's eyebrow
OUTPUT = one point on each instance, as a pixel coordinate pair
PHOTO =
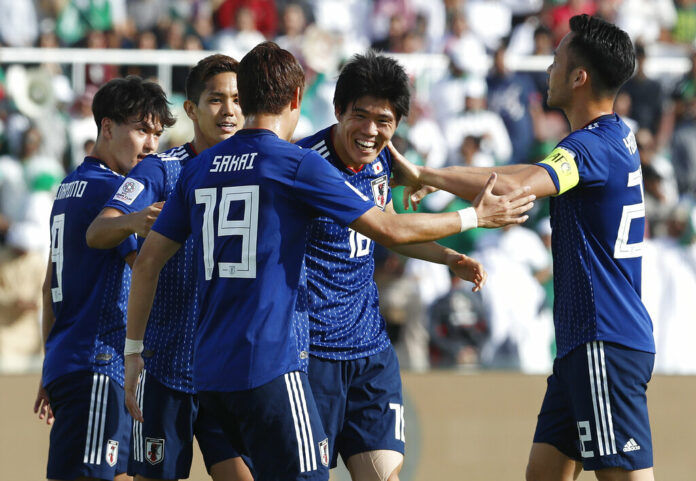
(361, 110)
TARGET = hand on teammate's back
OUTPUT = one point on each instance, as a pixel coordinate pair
(144, 219)
(500, 210)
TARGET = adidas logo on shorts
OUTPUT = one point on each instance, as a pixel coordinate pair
(631, 445)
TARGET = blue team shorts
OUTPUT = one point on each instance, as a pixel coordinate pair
(595, 409)
(277, 425)
(91, 433)
(163, 444)
(360, 403)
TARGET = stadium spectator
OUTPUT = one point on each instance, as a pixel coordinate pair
(646, 95)
(263, 16)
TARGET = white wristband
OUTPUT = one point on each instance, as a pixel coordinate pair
(468, 218)
(133, 346)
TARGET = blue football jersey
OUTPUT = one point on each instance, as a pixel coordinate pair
(248, 202)
(171, 328)
(89, 287)
(598, 222)
(342, 300)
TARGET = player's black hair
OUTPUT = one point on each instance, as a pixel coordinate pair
(375, 75)
(604, 49)
(122, 98)
(267, 79)
(206, 69)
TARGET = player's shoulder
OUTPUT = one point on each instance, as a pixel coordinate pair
(96, 171)
(318, 141)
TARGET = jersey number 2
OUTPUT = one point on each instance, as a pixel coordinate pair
(622, 249)
(246, 228)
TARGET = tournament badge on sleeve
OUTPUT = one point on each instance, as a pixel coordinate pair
(324, 452)
(379, 191)
(111, 452)
(154, 449)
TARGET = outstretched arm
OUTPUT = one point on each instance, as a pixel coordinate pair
(467, 182)
(111, 226)
(156, 251)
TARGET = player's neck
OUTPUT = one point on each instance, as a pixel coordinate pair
(283, 125)
(102, 152)
(585, 110)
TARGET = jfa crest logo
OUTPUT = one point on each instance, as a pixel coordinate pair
(154, 450)
(324, 452)
(379, 191)
(377, 167)
(111, 452)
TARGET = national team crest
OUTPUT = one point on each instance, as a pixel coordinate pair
(111, 452)
(324, 452)
(154, 450)
(379, 191)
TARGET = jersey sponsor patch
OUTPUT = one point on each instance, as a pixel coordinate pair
(562, 162)
(379, 191)
(129, 191)
(154, 450)
(111, 452)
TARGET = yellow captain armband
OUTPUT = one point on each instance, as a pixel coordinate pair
(562, 162)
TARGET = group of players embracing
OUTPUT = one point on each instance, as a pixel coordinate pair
(252, 315)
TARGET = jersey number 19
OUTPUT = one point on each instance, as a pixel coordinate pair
(245, 227)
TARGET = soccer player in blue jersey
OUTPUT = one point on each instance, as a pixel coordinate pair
(353, 369)
(163, 442)
(247, 202)
(595, 414)
(85, 292)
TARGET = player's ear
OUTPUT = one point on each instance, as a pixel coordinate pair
(107, 128)
(190, 109)
(580, 77)
(296, 99)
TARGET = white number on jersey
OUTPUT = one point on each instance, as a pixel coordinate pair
(398, 421)
(622, 249)
(585, 435)
(57, 229)
(359, 244)
(247, 228)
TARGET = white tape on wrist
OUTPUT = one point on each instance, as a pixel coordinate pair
(133, 346)
(468, 218)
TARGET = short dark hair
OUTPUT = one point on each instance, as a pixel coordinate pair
(206, 69)
(267, 79)
(375, 75)
(604, 49)
(122, 98)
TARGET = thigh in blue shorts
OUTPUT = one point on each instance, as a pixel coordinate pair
(360, 403)
(595, 409)
(163, 444)
(91, 433)
(277, 425)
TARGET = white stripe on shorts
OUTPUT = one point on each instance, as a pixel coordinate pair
(300, 388)
(600, 398)
(97, 417)
(303, 428)
(137, 425)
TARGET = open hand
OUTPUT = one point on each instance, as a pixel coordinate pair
(468, 269)
(133, 367)
(500, 210)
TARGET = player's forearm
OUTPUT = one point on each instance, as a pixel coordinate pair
(467, 182)
(392, 229)
(107, 232)
(142, 293)
(429, 252)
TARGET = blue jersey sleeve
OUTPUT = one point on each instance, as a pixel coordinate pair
(593, 170)
(173, 221)
(145, 185)
(389, 161)
(129, 245)
(326, 191)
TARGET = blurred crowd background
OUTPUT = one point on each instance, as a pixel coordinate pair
(479, 86)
